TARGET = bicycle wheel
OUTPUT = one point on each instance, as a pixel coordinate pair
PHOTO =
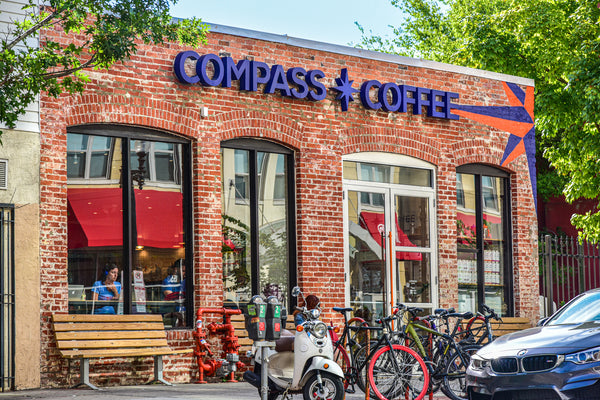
(340, 356)
(476, 330)
(359, 358)
(454, 381)
(398, 372)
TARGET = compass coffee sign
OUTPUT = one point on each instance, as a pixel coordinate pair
(296, 82)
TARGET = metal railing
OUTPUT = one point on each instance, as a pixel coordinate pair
(567, 268)
(7, 297)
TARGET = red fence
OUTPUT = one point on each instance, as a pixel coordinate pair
(567, 268)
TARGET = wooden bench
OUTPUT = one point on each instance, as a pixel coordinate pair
(240, 330)
(508, 325)
(81, 336)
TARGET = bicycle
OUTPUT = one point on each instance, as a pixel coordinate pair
(479, 328)
(344, 347)
(440, 319)
(391, 369)
(448, 360)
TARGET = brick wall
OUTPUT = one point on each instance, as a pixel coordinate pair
(144, 92)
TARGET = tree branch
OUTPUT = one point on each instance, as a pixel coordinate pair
(59, 74)
(31, 30)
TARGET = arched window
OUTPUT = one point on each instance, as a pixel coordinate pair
(484, 242)
(258, 220)
(127, 206)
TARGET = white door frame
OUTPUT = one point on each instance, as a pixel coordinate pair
(390, 191)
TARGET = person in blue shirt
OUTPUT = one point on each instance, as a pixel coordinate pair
(173, 288)
(173, 291)
(107, 288)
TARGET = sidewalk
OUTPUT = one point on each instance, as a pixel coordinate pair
(211, 391)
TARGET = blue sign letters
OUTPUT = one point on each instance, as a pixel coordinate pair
(296, 82)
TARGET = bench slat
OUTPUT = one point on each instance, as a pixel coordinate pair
(106, 318)
(107, 353)
(109, 326)
(99, 335)
(108, 343)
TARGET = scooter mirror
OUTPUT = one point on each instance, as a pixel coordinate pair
(296, 291)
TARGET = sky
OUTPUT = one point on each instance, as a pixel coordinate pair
(329, 21)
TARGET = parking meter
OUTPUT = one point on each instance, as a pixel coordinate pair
(273, 318)
(283, 317)
(254, 317)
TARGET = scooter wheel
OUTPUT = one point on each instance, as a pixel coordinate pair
(333, 387)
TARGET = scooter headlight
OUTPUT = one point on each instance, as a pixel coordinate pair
(320, 330)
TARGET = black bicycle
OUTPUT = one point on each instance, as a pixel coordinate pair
(391, 369)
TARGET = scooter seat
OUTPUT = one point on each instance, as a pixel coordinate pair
(284, 343)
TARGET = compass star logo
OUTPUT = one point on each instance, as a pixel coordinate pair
(345, 89)
(516, 119)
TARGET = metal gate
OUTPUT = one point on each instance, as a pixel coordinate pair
(7, 297)
(567, 268)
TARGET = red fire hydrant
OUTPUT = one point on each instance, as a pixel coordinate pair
(230, 363)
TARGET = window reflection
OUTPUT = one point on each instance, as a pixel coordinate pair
(270, 273)
(481, 242)
(96, 215)
(88, 156)
(398, 175)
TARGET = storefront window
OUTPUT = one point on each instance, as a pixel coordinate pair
(258, 233)
(126, 235)
(483, 241)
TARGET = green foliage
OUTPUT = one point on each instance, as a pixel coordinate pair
(554, 42)
(110, 32)
(236, 275)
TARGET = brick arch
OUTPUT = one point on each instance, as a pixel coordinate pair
(390, 140)
(256, 124)
(477, 151)
(138, 111)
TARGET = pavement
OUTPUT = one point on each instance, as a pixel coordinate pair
(210, 391)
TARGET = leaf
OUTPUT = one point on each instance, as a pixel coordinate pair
(110, 31)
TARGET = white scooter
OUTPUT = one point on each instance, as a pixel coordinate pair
(302, 363)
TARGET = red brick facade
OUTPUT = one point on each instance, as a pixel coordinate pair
(144, 92)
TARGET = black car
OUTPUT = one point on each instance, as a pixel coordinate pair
(557, 360)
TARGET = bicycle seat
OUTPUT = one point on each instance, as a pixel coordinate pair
(342, 309)
(465, 315)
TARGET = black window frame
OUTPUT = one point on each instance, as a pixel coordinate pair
(129, 134)
(479, 170)
(254, 146)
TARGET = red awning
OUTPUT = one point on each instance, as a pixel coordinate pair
(467, 222)
(374, 222)
(95, 218)
(159, 218)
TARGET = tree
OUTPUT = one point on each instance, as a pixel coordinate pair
(110, 32)
(554, 42)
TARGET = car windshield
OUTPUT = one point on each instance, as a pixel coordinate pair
(582, 309)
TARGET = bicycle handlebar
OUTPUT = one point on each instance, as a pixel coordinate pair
(491, 313)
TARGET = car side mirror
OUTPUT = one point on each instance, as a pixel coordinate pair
(542, 321)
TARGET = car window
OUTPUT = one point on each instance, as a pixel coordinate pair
(581, 309)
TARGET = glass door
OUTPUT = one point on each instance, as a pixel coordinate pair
(367, 222)
(413, 255)
(389, 246)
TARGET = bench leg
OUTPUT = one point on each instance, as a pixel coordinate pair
(84, 374)
(158, 371)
